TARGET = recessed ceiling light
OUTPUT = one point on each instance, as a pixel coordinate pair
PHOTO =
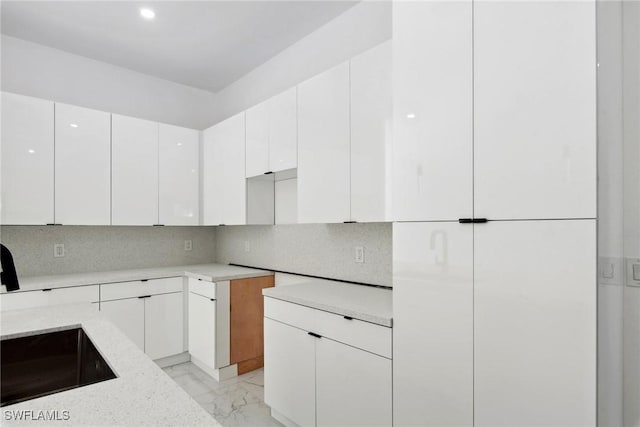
(147, 13)
(31, 151)
(73, 125)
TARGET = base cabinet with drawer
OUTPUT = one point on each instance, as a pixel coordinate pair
(49, 297)
(323, 369)
(209, 325)
(149, 312)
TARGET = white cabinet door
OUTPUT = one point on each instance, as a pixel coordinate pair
(128, 316)
(134, 171)
(178, 175)
(82, 166)
(283, 131)
(353, 387)
(212, 185)
(27, 160)
(433, 324)
(535, 323)
(202, 329)
(371, 110)
(164, 325)
(323, 147)
(535, 110)
(224, 173)
(289, 372)
(433, 99)
(257, 162)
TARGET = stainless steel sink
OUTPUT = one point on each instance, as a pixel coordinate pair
(48, 363)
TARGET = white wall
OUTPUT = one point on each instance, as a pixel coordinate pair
(36, 70)
(631, 95)
(356, 30)
(610, 218)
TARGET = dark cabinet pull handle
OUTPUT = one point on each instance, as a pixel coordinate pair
(268, 173)
(144, 280)
(348, 317)
(349, 222)
(473, 220)
(213, 299)
(47, 290)
(145, 296)
(53, 223)
(158, 225)
(314, 335)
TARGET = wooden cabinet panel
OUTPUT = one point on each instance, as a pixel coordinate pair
(247, 311)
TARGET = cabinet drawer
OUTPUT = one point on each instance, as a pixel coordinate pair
(357, 333)
(295, 315)
(203, 288)
(113, 291)
(31, 299)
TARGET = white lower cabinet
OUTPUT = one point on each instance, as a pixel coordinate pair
(320, 368)
(149, 312)
(535, 323)
(164, 325)
(353, 387)
(49, 297)
(495, 323)
(128, 316)
(202, 323)
(433, 324)
(289, 372)
(209, 325)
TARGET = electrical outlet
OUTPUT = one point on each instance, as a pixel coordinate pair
(359, 254)
(188, 245)
(247, 246)
(58, 250)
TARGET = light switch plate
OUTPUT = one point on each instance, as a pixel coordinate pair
(610, 271)
(359, 254)
(188, 245)
(633, 272)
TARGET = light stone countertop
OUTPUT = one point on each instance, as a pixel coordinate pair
(142, 395)
(367, 303)
(209, 272)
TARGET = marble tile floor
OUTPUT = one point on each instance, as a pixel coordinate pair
(236, 402)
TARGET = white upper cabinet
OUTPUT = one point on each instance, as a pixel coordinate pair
(371, 135)
(178, 175)
(283, 131)
(272, 134)
(82, 166)
(535, 109)
(257, 161)
(433, 122)
(27, 160)
(224, 178)
(323, 147)
(134, 171)
(212, 170)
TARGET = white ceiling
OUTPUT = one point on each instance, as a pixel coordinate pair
(205, 44)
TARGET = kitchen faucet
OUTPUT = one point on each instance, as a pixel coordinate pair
(8, 277)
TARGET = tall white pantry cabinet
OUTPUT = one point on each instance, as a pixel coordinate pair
(494, 244)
